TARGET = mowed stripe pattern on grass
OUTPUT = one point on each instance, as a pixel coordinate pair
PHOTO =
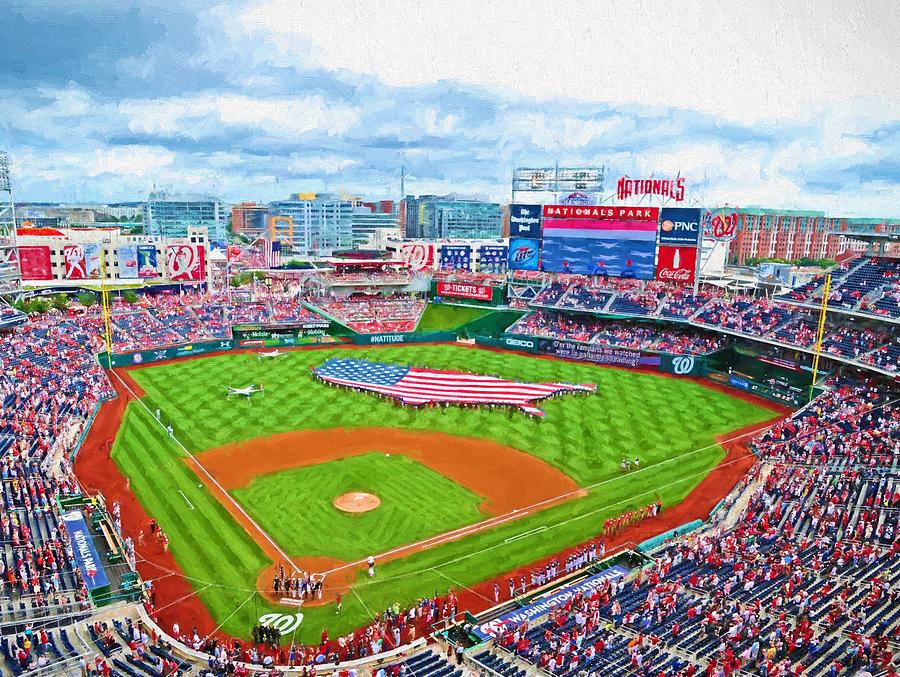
(206, 542)
(586, 437)
(295, 506)
(634, 414)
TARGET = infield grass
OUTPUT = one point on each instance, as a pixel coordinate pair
(295, 506)
(669, 423)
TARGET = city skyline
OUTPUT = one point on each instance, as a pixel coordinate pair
(763, 105)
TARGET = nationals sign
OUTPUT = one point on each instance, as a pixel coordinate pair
(670, 188)
(464, 291)
(601, 213)
(676, 264)
(185, 262)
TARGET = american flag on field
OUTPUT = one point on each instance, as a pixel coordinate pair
(273, 254)
(416, 386)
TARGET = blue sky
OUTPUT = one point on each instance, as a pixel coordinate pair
(768, 104)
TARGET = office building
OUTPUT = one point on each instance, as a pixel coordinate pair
(320, 222)
(450, 217)
(792, 235)
(171, 215)
(369, 217)
(249, 219)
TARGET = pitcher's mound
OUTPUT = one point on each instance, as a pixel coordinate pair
(356, 501)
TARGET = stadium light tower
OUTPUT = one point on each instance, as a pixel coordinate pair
(10, 275)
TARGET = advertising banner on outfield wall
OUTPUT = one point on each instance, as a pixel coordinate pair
(676, 264)
(186, 262)
(524, 253)
(492, 258)
(160, 354)
(456, 257)
(73, 255)
(128, 261)
(418, 256)
(146, 257)
(586, 352)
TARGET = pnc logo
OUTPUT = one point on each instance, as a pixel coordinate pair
(668, 226)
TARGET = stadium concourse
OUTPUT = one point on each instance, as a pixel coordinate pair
(796, 572)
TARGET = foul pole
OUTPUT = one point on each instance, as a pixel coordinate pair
(820, 333)
(104, 304)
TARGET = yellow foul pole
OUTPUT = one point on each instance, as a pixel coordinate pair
(104, 301)
(820, 334)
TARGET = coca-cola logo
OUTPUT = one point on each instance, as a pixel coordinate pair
(674, 274)
(722, 227)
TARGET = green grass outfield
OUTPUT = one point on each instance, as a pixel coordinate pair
(661, 420)
(439, 317)
(404, 486)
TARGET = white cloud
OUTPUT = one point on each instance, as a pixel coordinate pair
(765, 60)
(129, 160)
(205, 114)
(322, 164)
